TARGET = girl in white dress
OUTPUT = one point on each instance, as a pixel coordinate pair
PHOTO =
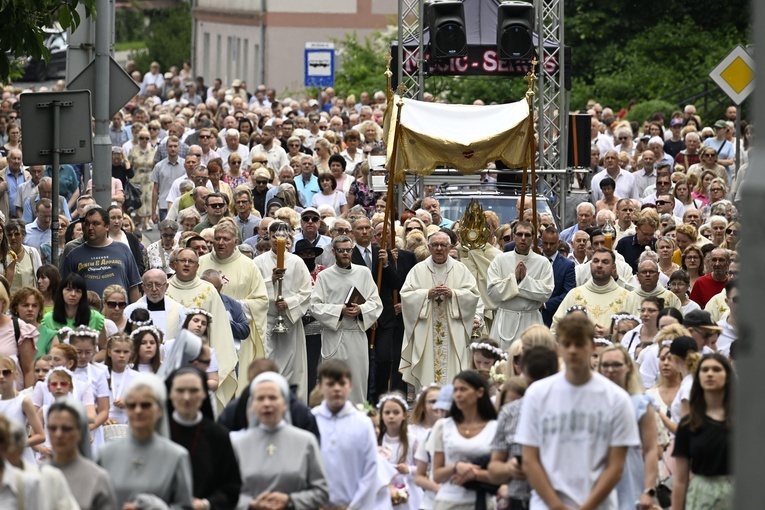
(119, 349)
(84, 339)
(396, 448)
(424, 416)
(146, 342)
(58, 384)
(19, 408)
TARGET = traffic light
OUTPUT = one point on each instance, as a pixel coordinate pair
(446, 24)
(515, 22)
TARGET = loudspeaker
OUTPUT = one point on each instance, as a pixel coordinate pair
(579, 140)
(515, 22)
(446, 24)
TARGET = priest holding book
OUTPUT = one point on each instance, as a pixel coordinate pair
(345, 300)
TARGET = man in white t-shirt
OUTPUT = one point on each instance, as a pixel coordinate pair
(575, 428)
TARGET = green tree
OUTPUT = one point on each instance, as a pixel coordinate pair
(362, 63)
(168, 39)
(22, 23)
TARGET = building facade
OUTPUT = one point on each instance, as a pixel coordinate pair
(263, 41)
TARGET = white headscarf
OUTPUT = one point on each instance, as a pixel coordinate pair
(157, 386)
(284, 387)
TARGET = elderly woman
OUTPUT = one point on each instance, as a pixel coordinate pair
(337, 166)
(147, 468)
(371, 131)
(708, 161)
(280, 464)
(188, 219)
(213, 465)
(90, 484)
(27, 258)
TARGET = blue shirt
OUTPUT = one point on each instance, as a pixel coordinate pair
(29, 215)
(36, 236)
(308, 190)
(13, 184)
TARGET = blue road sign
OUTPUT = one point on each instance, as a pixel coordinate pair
(319, 65)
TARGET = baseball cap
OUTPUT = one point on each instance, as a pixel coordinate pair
(310, 210)
(444, 399)
(700, 319)
(682, 345)
(721, 124)
(236, 83)
(676, 122)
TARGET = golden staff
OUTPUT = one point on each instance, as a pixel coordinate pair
(389, 218)
(530, 78)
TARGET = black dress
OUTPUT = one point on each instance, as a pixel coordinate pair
(214, 467)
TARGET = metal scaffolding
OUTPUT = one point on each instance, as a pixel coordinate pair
(551, 100)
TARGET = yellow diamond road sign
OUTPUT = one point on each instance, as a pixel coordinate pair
(735, 74)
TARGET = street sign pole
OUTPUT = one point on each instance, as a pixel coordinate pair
(738, 141)
(102, 144)
(61, 124)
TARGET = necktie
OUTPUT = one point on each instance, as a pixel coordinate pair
(368, 258)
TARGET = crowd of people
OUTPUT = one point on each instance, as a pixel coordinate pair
(272, 351)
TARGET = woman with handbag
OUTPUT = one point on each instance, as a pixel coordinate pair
(462, 445)
(141, 158)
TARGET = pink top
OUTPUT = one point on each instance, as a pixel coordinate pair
(9, 346)
(701, 198)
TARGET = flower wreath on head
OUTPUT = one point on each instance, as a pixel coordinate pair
(483, 346)
(425, 389)
(578, 308)
(147, 322)
(146, 329)
(618, 317)
(605, 342)
(83, 331)
(200, 311)
(58, 369)
(65, 332)
(392, 396)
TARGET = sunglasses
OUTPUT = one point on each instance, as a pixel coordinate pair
(143, 405)
(730, 231)
(6, 372)
(217, 205)
(342, 231)
(661, 202)
(507, 239)
(409, 229)
(144, 138)
(622, 138)
(343, 250)
(523, 234)
(236, 163)
(205, 137)
(261, 182)
(116, 304)
(311, 219)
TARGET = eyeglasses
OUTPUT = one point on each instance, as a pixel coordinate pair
(715, 190)
(622, 138)
(523, 234)
(153, 285)
(204, 137)
(116, 304)
(261, 182)
(342, 231)
(611, 366)
(343, 250)
(507, 238)
(709, 155)
(167, 236)
(186, 261)
(310, 219)
(144, 138)
(439, 246)
(731, 232)
(294, 145)
(217, 205)
(143, 405)
(235, 163)
(6, 372)
(691, 257)
(59, 384)
(409, 229)
(66, 429)
(661, 202)
(242, 202)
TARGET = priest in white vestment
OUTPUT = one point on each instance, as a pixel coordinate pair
(601, 296)
(241, 281)
(520, 282)
(288, 349)
(441, 306)
(192, 292)
(166, 313)
(648, 278)
(344, 335)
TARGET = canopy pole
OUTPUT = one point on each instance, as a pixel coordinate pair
(389, 217)
(530, 79)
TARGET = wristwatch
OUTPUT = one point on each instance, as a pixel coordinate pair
(650, 491)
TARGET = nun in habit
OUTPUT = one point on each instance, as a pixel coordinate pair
(147, 469)
(279, 463)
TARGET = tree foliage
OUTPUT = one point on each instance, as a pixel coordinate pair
(22, 23)
(362, 63)
(168, 39)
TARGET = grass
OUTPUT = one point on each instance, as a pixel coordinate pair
(129, 46)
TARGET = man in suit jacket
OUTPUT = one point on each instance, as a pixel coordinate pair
(381, 366)
(404, 261)
(564, 272)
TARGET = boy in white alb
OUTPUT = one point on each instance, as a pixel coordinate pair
(348, 444)
(575, 428)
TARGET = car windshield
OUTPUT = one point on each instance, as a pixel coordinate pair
(453, 207)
